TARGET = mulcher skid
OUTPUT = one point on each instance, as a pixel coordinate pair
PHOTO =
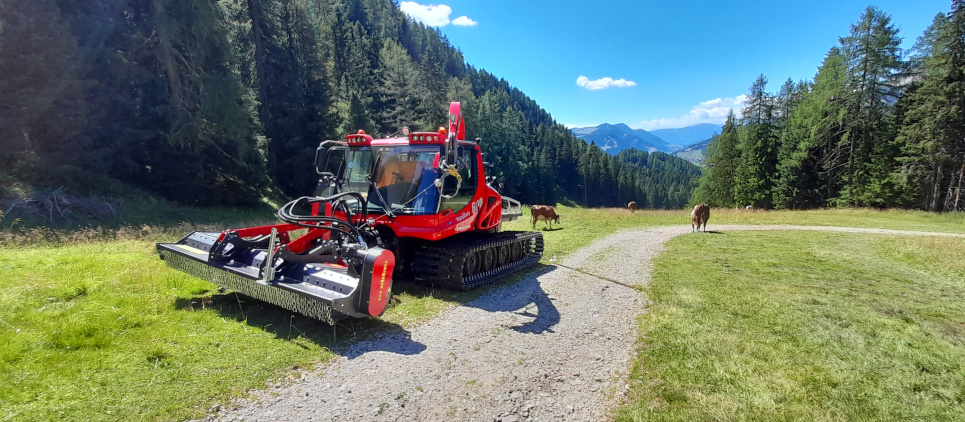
(331, 280)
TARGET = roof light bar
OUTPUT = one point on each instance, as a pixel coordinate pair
(427, 138)
(359, 140)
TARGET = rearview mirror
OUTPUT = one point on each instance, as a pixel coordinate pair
(330, 158)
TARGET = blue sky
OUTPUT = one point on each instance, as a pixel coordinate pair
(672, 63)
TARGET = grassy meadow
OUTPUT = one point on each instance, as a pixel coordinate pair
(93, 326)
(803, 326)
(579, 227)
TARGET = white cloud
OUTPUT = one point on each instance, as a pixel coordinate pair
(602, 83)
(464, 21)
(712, 111)
(573, 125)
(712, 103)
(433, 14)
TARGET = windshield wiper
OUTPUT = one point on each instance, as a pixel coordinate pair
(368, 177)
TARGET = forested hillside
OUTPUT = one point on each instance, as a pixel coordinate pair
(875, 127)
(215, 101)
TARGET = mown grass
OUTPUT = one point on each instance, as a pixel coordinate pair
(108, 219)
(580, 227)
(93, 326)
(803, 326)
(105, 332)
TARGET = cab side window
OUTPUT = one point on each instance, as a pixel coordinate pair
(466, 164)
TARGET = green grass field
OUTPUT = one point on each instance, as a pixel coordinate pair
(105, 332)
(579, 227)
(803, 326)
(93, 325)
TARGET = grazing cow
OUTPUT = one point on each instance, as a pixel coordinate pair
(544, 213)
(698, 216)
(632, 206)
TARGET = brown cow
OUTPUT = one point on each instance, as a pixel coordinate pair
(698, 216)
(544, 213)
(632, 206)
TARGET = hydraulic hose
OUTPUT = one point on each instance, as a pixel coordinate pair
(287, 214)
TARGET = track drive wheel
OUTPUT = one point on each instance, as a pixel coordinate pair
(502, 255)
(472, 265)
(488, 258)
(516, 252)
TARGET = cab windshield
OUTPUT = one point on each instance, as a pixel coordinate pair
(403, 180)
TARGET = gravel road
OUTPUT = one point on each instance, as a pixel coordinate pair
(555, 346)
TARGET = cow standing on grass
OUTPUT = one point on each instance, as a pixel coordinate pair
(698, 216)
(632, 206)
(544, 213)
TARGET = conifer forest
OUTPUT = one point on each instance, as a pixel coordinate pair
(213, 102)
(876, 127)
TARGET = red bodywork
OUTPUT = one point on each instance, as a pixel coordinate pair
(333, 255)
(484, 210)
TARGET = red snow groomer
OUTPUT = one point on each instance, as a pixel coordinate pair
(420, 207)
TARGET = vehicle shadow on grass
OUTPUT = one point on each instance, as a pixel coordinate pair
(342, 338)
(519, 293)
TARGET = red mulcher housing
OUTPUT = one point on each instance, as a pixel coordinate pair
(419, 206)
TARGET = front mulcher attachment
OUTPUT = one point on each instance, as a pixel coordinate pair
(315, 275)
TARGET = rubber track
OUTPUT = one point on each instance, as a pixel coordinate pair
(441, 263)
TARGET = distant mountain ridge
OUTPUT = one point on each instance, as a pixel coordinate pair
(689, 143)
(687, 136)
(618, 137)
(695, 153)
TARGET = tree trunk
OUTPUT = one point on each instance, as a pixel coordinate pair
(851, 187)
(936, 201)
(259, 39)
(958, 196)
(167, 58)
(258, 35)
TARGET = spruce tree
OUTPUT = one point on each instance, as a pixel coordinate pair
(716, 187)
(43, 114)
(874, 58)
(758, 145)
(401, 88)
(933, 134)
(809, 174)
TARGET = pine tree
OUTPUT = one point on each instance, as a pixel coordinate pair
(433, 66)
(43, 113)
(758, 145)
(401, 88)
(293, 86)
(874, 59)
(353, 73)
(809, 175)
(933, 134)
(210, 134)
(716, 187)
